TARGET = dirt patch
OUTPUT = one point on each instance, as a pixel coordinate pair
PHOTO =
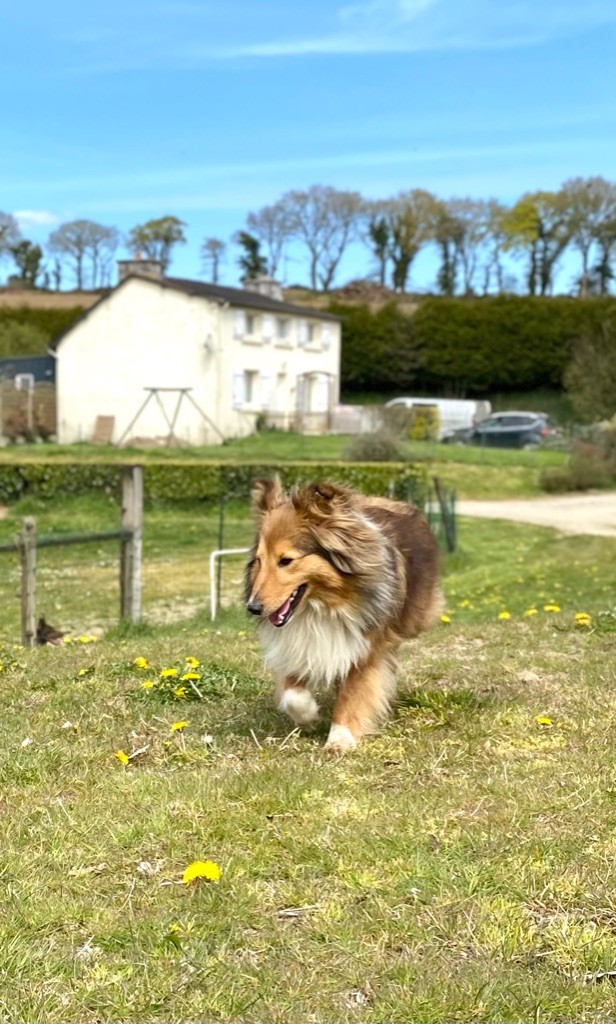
(593, 514)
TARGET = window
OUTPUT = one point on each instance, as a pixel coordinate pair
(306, 332)
(283, 329)
(251, 323)
(268, 328)
(251, 380)
(326, 335)
(239, 329)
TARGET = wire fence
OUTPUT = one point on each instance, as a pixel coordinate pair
(98, 561)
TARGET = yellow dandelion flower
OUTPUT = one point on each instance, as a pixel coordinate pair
(147, 684)
(175, 928)
(529, 612)
(121, 756)
(180, 691)
(544, 721)
(504, 615)
(192, 662)
(141, 662)
(191, 675)
(445, 619)
(168, 673)
(83, 639)
(1, 667)
(201, 869)
(551, 607)
(178, 726)
(582, 618)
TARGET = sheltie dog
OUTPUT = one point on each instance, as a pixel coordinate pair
(338, 580)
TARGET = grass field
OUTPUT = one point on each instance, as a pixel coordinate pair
(459, 867)
(474, 472)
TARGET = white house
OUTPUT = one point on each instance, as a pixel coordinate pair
(166, 356)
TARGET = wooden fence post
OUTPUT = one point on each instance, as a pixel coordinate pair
(27, 546)
(132, 543)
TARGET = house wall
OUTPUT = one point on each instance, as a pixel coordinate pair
(141, 336)
(290, 373)
(147, 335)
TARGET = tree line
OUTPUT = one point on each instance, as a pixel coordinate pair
(483, 245)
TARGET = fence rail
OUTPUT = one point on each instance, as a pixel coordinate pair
(27, 543)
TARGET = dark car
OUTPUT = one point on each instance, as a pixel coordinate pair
(506, 430)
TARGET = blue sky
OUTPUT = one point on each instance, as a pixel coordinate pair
(119, 112)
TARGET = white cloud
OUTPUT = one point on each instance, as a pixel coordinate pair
(35, 219)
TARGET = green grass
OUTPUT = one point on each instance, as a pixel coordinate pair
(474, 472)
(460, 866)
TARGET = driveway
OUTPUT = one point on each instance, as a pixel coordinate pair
(571, 513)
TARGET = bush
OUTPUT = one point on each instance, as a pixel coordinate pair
(591, 465)
(378, 447)
(425, 423)
(378, 348)
(591, 376)
(29, 332)
(203, 481)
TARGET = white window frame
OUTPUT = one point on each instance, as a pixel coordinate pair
(326, 335)
(239, 324)
(267, 327)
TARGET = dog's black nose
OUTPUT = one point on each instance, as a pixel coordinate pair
(255, 607)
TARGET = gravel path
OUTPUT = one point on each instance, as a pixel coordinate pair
(573, 513)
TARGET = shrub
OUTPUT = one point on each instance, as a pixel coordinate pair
(425, 423)
(29, 332)
(378, 447)
(203, 481)
(590, 378)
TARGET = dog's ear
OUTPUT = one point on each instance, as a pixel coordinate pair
(321, 500)
(266, 494)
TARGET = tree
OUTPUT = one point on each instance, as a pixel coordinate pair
(28, 258)
(325, 220)
(590, 378)
(9, 233)
(495, 243)
(606, 241)
(447, 235)
(539, 224)
(592, 204)
(157, 238)
(84, 245)
(411, 219)
(212, 252)
(379, 235)
(252, 262)
(272, 227)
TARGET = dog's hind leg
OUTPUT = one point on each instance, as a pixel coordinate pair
(363, 700)
(296, 700)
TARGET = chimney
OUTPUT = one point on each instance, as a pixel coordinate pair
(264, 285)
(139, 267)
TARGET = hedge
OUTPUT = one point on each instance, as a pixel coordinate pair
(26, 331)
(205, 481)
(465, 346)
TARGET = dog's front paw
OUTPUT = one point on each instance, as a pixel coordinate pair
(340, 740)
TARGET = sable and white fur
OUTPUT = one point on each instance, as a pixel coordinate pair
(338, 581)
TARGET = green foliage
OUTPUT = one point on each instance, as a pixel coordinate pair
(591, 376)
(425, 423)
(377, 447)
(378, 348)
(29, 332)
(201, 481)
(465, 345)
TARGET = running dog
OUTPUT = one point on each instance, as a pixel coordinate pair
(338, 580)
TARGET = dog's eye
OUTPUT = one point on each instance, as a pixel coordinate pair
(284, 561)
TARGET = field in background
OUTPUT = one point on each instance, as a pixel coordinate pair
(472, 472)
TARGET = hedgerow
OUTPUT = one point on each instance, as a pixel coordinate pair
(205, 481)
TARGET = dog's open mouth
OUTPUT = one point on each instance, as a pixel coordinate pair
(282, 615)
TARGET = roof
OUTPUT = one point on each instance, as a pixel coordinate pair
(240, 297)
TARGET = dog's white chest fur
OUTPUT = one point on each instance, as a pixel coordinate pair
(317, 646)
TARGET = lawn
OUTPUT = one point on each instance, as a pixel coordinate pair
(460, 866)
(474, 472)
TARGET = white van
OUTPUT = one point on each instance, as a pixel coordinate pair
(454, 413)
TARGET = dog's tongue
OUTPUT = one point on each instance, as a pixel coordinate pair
(278, 617)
